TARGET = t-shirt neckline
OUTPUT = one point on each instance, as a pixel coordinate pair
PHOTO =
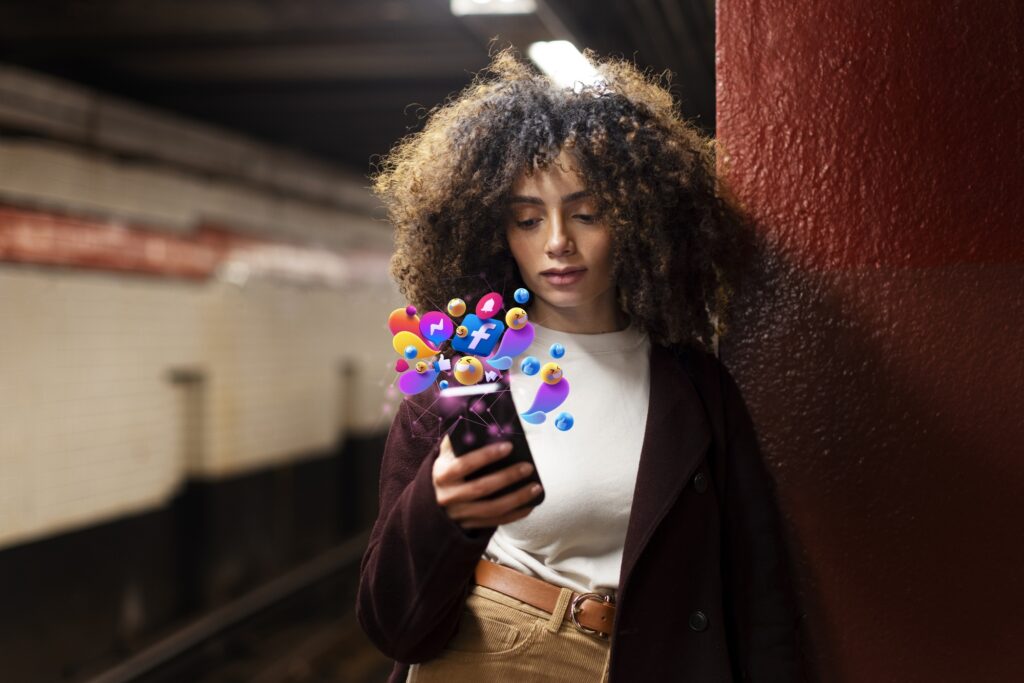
(601, 342)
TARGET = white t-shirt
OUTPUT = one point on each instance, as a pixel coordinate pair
(575, 537)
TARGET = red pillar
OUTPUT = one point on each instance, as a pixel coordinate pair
(878, 146)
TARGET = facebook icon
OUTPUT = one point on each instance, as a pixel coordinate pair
(481, 336)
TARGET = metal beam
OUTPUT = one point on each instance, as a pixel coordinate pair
(39, 104)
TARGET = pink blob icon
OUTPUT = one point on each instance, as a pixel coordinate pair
(412, 382)
(489, 305)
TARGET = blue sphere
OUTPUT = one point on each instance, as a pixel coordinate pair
(443, 384)
(530, 365)
(564, 421)
(557, 351)
(410, 351)
(521, 296)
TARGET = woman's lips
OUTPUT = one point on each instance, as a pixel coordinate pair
(564, 279)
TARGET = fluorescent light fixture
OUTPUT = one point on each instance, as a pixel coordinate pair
(564, 64)
(463, 7)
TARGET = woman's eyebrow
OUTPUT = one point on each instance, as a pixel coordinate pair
(571, 197)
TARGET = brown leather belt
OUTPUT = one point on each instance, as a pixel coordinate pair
(591, 613)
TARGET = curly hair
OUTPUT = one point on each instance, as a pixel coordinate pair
(679, 241)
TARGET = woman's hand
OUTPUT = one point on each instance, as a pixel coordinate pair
(461, 498)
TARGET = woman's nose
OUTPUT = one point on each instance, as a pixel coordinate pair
(559, 241)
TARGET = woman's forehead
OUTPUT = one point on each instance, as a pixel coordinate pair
(563, 174)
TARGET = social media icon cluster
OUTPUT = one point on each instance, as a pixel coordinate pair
(487, 343)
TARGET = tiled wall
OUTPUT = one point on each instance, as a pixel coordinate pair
(91, 427)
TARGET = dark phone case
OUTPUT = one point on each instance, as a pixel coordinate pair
(486, 418)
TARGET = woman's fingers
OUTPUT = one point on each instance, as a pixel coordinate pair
(449, 469)
(478, 488)
(461, 499)
(496, 508)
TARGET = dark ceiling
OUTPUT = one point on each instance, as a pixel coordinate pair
(338, 79)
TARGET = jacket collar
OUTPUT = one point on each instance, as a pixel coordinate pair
(676, 438)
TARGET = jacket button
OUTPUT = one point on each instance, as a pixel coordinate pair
(698, 621)
(700, 482)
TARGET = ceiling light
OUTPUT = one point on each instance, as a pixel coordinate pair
(464, 7)
(564, 64)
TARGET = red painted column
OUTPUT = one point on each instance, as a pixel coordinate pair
(878, 147)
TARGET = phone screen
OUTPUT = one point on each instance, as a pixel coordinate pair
(486, 413)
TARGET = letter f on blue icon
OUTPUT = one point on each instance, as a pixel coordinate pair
(481, 336)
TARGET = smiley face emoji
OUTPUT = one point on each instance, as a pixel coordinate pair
(516, 318)
(461, 331)
(551, 373)
(421, 366)
(468, 370)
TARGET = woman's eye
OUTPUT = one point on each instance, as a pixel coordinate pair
(528, 223)
(585, 217)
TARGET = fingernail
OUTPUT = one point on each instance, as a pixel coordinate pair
(535, 488)
(506, 447)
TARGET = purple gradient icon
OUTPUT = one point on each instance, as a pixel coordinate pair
(436, 327)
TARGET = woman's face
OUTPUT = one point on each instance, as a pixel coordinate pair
(563, 250)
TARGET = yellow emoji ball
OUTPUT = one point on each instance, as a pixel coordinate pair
(461, 331)
(468, 370)
(456, 307)
(516, 318)
(421, 367)
(551, 373)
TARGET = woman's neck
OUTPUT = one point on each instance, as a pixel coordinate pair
(578, 320)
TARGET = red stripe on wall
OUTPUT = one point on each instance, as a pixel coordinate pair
(42, 238)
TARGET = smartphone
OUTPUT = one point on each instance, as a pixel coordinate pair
(486, 413)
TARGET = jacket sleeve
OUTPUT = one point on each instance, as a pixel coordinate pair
(758, 576)
(415, 573)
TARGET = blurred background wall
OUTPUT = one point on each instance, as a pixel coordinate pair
(191, 357)
(134, 288)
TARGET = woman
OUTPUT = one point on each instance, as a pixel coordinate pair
(657, 553)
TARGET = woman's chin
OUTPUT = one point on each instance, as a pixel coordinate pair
(562, 300)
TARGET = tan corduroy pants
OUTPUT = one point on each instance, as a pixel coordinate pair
(503, 639)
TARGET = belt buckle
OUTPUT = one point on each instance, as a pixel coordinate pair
(577, 606)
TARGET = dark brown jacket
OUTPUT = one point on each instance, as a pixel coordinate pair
(704, 592)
